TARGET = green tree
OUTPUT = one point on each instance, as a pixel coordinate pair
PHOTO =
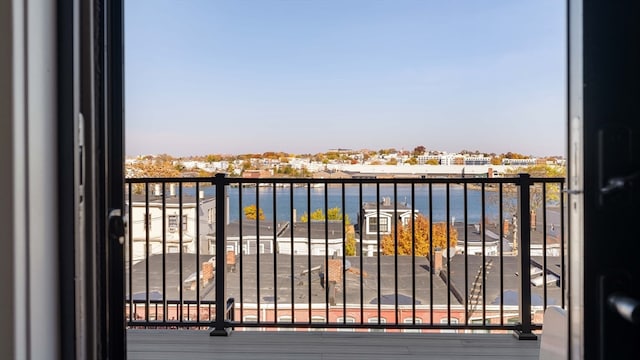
(251, 214)
(433, 162)
(334, 214)
(422, 238)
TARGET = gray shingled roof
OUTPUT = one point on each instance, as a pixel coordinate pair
(277, 284)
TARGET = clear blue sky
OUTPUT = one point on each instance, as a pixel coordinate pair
(244, 76)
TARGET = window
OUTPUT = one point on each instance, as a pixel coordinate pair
(251, 319)
(317, 319)
(285, 319)
(479, 323)
(348, 320)
(411, 321)
(172, 223)
(446, 321)
(375, 320)
(373, 224)
(383, 224)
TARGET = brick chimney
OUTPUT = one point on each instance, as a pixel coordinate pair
(533, 219)
(231, 261)
(333, 277)
(334, 270)
(207, 272)
(436, 264)
(505, 226)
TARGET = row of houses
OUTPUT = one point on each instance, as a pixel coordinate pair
(186, 223)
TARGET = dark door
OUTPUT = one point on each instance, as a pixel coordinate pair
(112, 160)
(90, 179)
(604, 150)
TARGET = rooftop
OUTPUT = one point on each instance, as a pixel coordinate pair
(276, 272)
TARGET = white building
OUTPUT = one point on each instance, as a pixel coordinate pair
(173, 223)
(373, 222)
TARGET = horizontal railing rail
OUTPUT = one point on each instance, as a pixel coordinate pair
(391, 254)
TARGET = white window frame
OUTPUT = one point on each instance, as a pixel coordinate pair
(318, 319)
(288, 319)
(348, 320)
(410, 320)
(478, 321)
(446, 321)
(374, 320)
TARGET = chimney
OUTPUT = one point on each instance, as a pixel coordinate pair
(157, 190)
(172, 190)
(333, 276)
(201, 194)
(295, 216)
(505, 227)
(231, 261)
(207, 272)
(436, 264)
(533, 220)
(334, 270)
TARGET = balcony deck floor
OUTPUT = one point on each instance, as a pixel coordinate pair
(250, 345)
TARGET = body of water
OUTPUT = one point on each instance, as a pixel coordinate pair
(281, 199)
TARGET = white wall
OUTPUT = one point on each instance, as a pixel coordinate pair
(28, 262)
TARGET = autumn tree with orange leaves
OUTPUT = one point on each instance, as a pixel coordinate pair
(422, 238)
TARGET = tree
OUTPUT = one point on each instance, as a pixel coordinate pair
(350, 243)
(334, 214)
(422, 238)
(537, 200)
(213, 158)
(250, 212)
(552, 189)
(433, 162)
(412, 161)
(419, 150)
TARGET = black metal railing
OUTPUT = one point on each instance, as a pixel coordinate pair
(401, 254)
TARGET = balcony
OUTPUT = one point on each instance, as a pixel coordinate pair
(354, 267)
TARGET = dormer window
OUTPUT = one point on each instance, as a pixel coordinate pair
(383, 225)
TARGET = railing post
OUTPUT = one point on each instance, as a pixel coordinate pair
(221, 327)
(524, 259)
